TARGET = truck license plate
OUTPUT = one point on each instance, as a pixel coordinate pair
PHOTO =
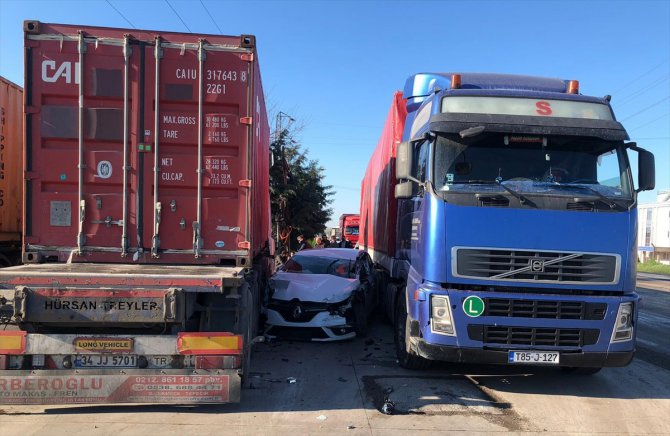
(105, 361)
(534, 357)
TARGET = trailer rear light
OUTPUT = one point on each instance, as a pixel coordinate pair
(573, 87)
(623, 327)
(441, 320)
(209, 343)
(218, 362)
(13, 342)
(455, 81)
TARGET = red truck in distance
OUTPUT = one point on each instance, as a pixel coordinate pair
(349, 227)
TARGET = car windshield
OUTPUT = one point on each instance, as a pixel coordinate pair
(319, 265)
(532, 164)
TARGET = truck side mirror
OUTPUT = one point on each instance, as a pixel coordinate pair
(404, 190)
(403, 161)
(646, 168)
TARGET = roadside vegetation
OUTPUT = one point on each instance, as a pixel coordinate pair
(651, 266)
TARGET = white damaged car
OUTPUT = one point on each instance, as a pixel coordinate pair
(322, 295)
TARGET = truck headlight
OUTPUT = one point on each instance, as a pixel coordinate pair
(623, 326)
(440, 315)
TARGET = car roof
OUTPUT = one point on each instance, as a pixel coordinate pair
(339, 253)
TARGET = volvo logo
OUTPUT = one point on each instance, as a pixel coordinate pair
(297, 311)
(537, 265)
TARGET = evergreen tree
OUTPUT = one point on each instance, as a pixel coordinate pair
(298, 196)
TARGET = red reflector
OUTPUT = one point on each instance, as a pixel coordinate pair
(217, 362)
(573, 87)
(455, 81)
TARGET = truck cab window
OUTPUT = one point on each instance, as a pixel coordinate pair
(420, 160)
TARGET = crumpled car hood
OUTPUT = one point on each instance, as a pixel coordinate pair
(317, 288)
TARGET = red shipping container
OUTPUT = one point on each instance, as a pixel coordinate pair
(143, 146)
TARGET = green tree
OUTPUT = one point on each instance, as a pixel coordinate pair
(300, 201)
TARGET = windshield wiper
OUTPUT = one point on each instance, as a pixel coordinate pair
(517, 195)
(606, 200)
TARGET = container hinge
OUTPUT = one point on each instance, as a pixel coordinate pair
(246, 183)
(98, 202)
(197, 239)
(182, 223)
(173, 205)
(249, 57)
(244, 245)
(246, 120)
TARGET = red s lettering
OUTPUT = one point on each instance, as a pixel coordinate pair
(543, 108)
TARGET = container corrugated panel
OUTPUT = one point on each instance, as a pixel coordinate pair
(11, 181)
(178, 174)
(378, 218)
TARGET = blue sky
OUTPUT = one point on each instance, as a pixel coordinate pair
(334, 65)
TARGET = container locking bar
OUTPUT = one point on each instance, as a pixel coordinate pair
(127, 51)
(155, 241)
(81, 239)
(197, 236)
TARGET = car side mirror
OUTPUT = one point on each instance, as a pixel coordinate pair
(646, 168)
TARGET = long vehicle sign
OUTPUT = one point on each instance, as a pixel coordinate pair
(174, 387)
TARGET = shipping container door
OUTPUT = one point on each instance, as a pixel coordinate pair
(75, 171)
(187, 219)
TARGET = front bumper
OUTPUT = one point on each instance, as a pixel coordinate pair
(323, 327)
(488, 356)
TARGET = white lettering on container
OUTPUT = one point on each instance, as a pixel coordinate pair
(51, 74)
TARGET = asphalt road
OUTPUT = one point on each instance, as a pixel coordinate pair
(343, 387)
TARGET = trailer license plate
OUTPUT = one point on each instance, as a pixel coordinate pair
(106, 361)
(534, 357)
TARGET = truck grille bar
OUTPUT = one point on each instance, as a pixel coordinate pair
(521, 265)
(547, 309)
(550, 337)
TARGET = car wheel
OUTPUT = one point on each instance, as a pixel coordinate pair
(406, 358)
(360, 319)
(580, 370)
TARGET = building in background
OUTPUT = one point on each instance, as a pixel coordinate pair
(653, 232)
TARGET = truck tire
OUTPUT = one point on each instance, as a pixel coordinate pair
(360, 319)
(406, 358)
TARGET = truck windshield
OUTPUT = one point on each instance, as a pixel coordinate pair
(351, 230)
(555, 165)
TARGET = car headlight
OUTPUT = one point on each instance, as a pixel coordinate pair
(623, 326)
(440, 315)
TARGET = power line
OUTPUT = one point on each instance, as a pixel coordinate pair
(122, 16)
(649, 122)
(645, 109)
(178, 16)
(210, 16)
(641, 76)
(636, 94)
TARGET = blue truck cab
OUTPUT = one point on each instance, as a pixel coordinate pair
(516, 224)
